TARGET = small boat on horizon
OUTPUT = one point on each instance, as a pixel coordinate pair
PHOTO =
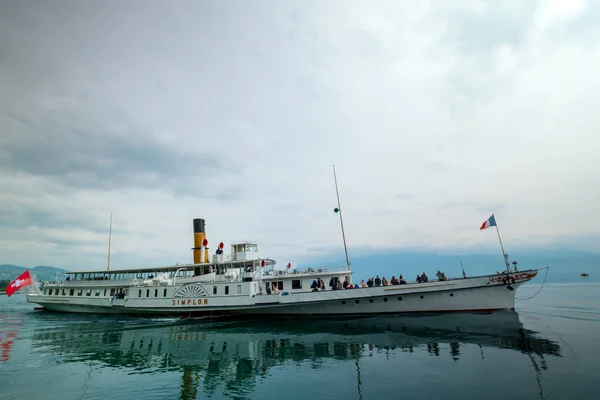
(585, 274)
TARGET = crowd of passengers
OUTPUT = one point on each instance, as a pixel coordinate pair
(336, 284)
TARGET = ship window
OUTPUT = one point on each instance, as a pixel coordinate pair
(50, 292)
(147, 292)
(214, 290)
(88, 292)
(140, 293)
(105, 292)
(239, 289)
(64, 292)
(71, 292)
(280, 285)
(165, 293)
(97, 292)
(226, 289)
(296, 284)
(80, 292)
(112, 292)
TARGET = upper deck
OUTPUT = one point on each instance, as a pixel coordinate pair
(243, 264)
(243, 254)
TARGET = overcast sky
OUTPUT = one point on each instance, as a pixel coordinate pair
(435, 114)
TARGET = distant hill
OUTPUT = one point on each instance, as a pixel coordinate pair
(41, 272)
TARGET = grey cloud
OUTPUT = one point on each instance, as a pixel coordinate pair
(31, 217)
(491, 207)
(499, 23)
(386, 212)
(22, 217)
(585, 27)
(436, 166)
(479, 207)
(87, 156)
(112, 107)
(447, 205)
(404, 196)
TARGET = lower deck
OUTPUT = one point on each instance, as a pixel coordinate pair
(479, 293)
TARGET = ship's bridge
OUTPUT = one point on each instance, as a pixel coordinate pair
(244, 251)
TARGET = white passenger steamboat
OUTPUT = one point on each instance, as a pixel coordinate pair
(244, 283)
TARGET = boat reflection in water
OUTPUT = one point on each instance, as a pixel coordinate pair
(232, 354)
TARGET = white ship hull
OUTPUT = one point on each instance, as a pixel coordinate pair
(484, 293)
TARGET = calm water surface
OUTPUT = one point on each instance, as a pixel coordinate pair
(547, 349)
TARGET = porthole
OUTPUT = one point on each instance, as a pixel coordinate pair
(343, 301)
(451, 294)
(357, 301)
(421, 296)
(385, 299)
(399, 298)
(370, 300)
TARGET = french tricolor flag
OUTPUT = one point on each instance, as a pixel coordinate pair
(490, 222)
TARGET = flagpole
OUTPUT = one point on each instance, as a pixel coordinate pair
(341, 221)
(109, 237)
(501, 246)
(35, 285)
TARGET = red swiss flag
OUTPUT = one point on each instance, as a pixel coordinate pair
(23, 280)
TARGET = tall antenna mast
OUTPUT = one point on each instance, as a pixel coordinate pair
(109, 237)
(339, 209)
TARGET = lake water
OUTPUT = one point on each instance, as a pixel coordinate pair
(547, 349)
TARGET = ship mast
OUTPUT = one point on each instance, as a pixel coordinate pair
(109, 237)
(339, 209)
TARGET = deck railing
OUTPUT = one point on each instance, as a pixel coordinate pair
(305, 271)
(88, 283)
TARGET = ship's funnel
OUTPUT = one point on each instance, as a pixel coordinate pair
(199, 238)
